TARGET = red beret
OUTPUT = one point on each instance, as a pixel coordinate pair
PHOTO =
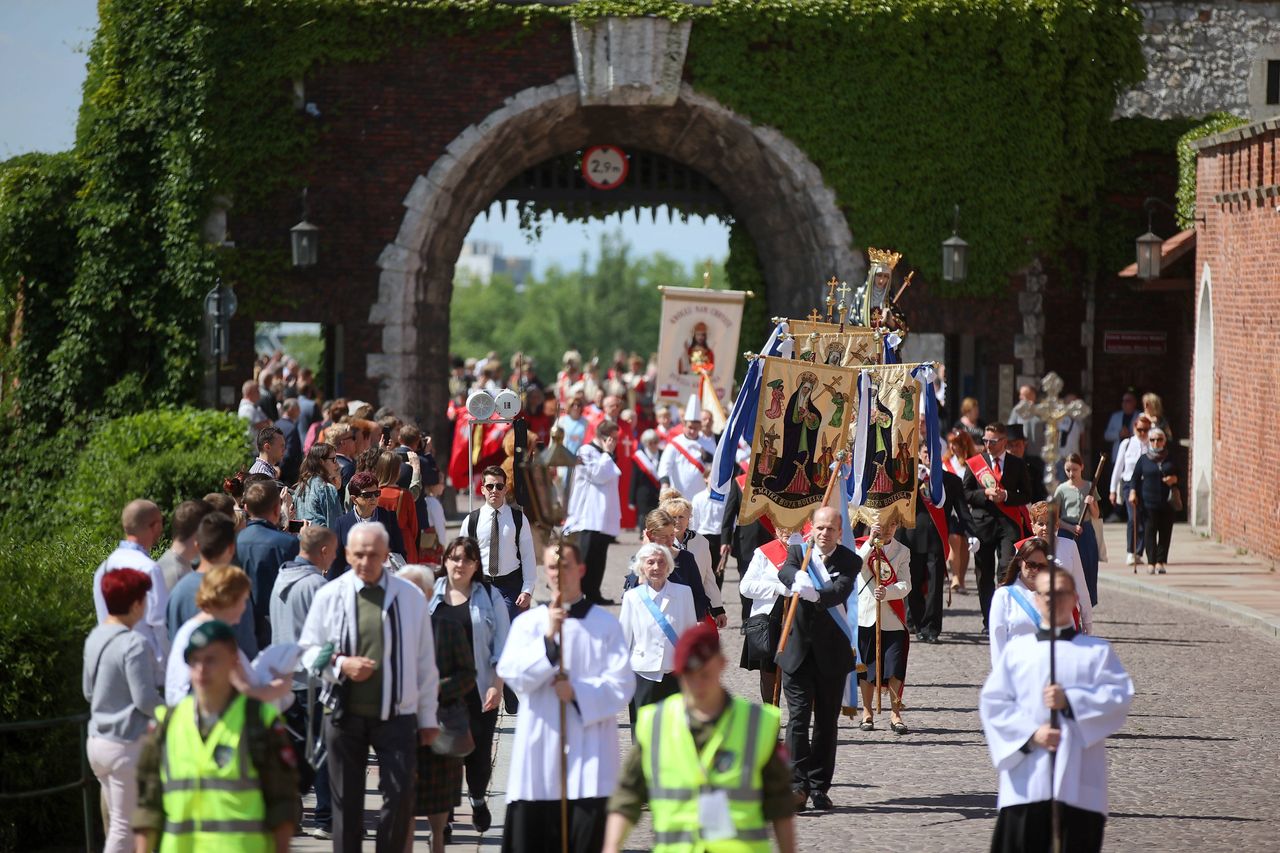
(696, 646)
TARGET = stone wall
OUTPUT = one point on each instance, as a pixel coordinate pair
(1204, 57)
(1236, 251)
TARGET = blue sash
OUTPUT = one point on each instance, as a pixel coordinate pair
(1025, 605)
(658, 615)
(836, 614)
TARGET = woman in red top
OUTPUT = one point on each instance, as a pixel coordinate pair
(398, 501)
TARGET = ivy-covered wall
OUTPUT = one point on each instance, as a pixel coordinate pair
(907, 107)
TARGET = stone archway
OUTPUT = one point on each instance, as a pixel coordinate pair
(1204, 390)
(778, 194)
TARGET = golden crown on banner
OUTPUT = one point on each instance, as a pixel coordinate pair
(884, 256)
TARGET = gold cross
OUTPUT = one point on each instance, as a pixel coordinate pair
(814, 316)
(831, 290)
(843, 290)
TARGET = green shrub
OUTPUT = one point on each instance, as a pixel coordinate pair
(164, 455)
(1188, 157)
(47, 613)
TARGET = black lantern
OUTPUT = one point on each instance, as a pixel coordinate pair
(955, 252)
(306, 239)
(1150, 246)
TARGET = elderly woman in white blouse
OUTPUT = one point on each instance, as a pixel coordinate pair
(654, 615)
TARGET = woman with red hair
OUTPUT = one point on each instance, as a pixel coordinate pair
(120, 685)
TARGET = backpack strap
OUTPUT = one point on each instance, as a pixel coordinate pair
(472, 522)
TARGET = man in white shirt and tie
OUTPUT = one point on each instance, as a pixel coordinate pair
(681, 466)
(507, 555)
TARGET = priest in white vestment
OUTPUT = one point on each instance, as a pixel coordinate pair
(1092, 695)
(598, 684)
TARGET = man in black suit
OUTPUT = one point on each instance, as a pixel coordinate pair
(288, 424)
(996, 531)
(928, 563)
(817, 659)
(1031, 458)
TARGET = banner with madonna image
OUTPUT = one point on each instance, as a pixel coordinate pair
(802, 421)
(824, 343)
(886, 446)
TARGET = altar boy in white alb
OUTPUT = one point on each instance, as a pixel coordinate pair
(1092, 694)
(598, 684)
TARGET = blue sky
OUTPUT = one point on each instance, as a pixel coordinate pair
(43, 46)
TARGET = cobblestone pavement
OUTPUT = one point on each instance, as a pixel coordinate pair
(1195, 767)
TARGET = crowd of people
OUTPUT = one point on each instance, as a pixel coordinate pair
(316, 609)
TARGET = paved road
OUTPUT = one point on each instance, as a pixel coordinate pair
(1194, 768)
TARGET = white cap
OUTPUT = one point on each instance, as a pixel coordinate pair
(693, 409)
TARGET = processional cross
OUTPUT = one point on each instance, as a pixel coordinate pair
(814, 316)
(831, 298)
(1050, 410)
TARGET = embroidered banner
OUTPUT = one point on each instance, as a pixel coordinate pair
(698, 336)
(824, 343)
(890, 447)
(801, 423)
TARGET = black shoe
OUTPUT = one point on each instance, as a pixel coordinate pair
(448, 833)
(481, 819)
(922, 637)
(801, 800)
(821, 801)
(605, 602)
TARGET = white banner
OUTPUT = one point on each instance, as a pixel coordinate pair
(699, 334)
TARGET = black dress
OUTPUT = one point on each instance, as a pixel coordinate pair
(440, 776)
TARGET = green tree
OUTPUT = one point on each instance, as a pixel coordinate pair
(596, 309)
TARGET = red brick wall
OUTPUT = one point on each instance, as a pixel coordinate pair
(381, 125)
(1240, 243)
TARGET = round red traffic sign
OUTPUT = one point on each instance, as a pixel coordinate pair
(604, 166)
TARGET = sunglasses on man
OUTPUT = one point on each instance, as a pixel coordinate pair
(494, 487)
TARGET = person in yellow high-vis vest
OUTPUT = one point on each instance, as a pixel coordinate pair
(708, 764)
(218, 773)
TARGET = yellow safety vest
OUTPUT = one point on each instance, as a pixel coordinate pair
(212, 794)
(732, 760)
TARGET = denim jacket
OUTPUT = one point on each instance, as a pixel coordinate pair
(489, 626)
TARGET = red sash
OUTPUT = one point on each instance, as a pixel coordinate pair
(939, 516)
(642, 463)
(776, 553)
(897, 605)
(696, 463)
(1017, 514)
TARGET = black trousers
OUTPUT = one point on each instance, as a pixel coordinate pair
(713, 542)
(595, 550)
(648, 692)
(1027, 828)
(479, 764)
(928, 578)
(395, 742)
(1157, 527)
(533, 826)
(994, 552)
(812, 695)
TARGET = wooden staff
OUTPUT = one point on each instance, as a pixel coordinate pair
(876, 556)
(1055, 807)
(804, 566)
(894, 301)
(557, 600)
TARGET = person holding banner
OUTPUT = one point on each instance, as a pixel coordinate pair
(681, 466)
(654, 615)
(997, 488)
(883, 585)
(767, 594)
(818, 655)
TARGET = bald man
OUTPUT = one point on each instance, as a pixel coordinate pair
(143, 526)
(818, 656)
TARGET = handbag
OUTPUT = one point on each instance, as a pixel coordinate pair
(455, 738)
(1175, 498)
(761, 634)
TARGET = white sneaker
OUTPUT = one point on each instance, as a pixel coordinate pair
(1129, 560)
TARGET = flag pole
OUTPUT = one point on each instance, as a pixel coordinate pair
(875, 556)
(1055, 807)
(795, 599)
(557, 601)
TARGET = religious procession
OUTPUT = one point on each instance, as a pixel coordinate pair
(301, 646)
(697, 426)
